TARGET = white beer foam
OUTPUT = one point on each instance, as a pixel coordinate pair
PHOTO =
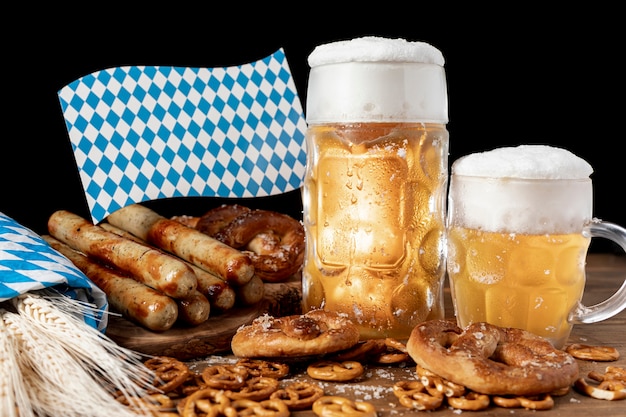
(374, 79)
(375, 49)
(524, 161)
(532, 189)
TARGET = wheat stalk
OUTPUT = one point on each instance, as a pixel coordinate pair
(61, 317)
(67, 367)
(13, 391)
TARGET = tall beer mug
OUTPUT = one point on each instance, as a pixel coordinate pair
(519, 227)
(374, 194)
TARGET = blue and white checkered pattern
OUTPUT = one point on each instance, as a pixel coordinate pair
(144, 133)
(28, 263)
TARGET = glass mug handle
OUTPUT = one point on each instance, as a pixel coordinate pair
(617, 302)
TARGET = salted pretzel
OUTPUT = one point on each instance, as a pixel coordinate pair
(421, 396)
(394, 352)
(490, 359)
(298, 395)
(362, 351)
(260, 367)
(313, 333)
(593, 353)
(193, 383)
(609, 386)
(257, 388)
(265, 408)
(204, 402)
(273, 241)
(612, 373)
(437, 385)
(407, 387)
(335, 371)
(537, 402)
(218, 218)
(169, 372)
(225, 377)
(472, 401)
(337, 406)
(419, 399)
(157, 403)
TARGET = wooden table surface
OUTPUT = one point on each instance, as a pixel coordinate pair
(605, 274)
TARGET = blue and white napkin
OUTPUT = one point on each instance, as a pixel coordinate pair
(28, 263)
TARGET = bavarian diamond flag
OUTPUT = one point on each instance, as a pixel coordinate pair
(28, 263)
(148, 132)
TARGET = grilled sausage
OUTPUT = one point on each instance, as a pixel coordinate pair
(194, 310)
(134, 300)
(156, 269)
(251, 292)
(215, 289)
(189, 244)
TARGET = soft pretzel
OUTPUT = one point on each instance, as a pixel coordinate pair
(218, 218)
(273, 241)
(314, 333)
(491, 360)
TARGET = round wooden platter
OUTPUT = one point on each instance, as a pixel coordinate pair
(210, 337)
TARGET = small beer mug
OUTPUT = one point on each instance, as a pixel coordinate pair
(519, 227)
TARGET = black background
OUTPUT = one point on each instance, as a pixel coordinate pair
(514, 76)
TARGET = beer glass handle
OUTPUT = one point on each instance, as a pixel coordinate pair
(617, 302)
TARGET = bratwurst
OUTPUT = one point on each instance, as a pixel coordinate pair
(154, 268)
(136, 301)
(189, 244)
(219, 293)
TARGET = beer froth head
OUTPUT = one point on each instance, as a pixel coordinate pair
(525, 189)
(524, 161)
(374, 79)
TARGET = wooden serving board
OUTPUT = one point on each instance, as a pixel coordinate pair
(210, 337)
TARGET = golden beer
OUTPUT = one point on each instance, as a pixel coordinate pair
(374, 192)
(517, 280)
(374, 198)
(518, 236)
